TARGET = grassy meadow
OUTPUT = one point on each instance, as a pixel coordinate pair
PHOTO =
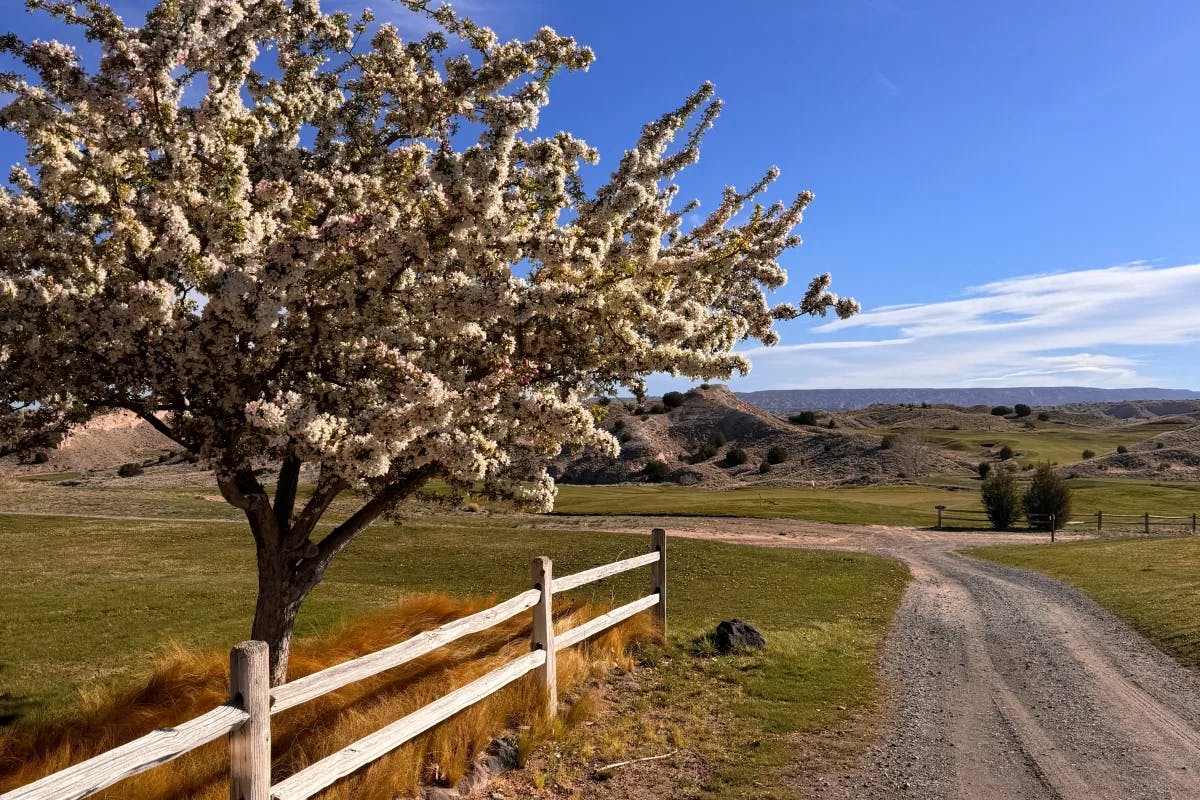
(1054, 442)
(97, 601)
(1153, 584)
(865, 505)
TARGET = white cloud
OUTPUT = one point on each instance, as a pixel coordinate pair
(1031, 330)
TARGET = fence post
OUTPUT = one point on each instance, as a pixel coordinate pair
(658, 577)
(1099, 521)
(542, 573)
(1193, 523)
(1053, 526)
(250, 744)
(940, 509)
(1147, 523)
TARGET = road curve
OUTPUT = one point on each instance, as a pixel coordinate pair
(1006, 683)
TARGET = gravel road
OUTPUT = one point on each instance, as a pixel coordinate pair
(1005, 683)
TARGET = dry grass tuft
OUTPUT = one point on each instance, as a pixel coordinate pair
(186, 683)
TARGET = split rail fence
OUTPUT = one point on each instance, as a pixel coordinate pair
(246, 717)
(1146, 523)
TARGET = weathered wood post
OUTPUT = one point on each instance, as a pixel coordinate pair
(658, 577)
(250, 744)
(542, 573)
(1193, 523)
(1147, 523)
(1053, 526)
(940, 509)
(1099, 521)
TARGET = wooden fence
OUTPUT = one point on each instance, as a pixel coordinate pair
(1145, 523)
(246, 717)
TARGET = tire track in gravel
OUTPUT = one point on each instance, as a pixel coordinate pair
(1004, 683)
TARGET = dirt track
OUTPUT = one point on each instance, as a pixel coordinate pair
(1005, 684)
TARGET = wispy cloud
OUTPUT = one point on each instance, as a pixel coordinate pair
(1063, 328)
(885, 83)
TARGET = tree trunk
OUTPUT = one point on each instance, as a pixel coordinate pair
(290, 564)
(280, 595)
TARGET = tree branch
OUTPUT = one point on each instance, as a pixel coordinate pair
(158, 425)
(285, 491)
(328, 488)
(383, 501)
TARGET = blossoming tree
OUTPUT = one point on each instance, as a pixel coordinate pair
(291, 239)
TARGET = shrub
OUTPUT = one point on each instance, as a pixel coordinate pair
(658, 408)
(736, 456)
(1001, 500)
(1158, 445)
(1122, 449)
(705, 453)
(1088, 454)
(1043, 417)
(619, 425)
(656, 470)
(1006, 453)
(705, 386)
(764, 468)
(41, 457)
(984, 468)
(624, 436)
(803, 418)
(1048, 494)
(832, 423)
(777, 455)
(889, 441)
(719, 439)
(672, 399)
(129, 470)
(1001, 411)
(1022, 410)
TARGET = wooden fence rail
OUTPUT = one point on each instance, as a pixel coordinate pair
(1146, 521)
(246, 718)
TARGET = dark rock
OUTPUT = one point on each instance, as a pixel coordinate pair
(734, 635)
(501, 756)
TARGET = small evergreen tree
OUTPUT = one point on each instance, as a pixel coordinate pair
(984, 468)
(777, 455)
(1088, 454)
(803, 418)
(1022, 410)
(655, 471)
(1043, 417)
(1006, 453)
(1001, 411)
(1122, 449)
(672, 399)
(736, 456)
(1001, 499)
(1048, 494)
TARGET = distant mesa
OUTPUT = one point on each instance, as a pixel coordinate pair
(783, 401)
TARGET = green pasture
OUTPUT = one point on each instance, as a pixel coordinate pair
(1056, 443)
(91, 600)
(1153, 584)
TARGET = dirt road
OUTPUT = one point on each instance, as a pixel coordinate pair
(1005, 684)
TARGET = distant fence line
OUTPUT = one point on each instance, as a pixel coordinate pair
(1146, 522)
(246, 717)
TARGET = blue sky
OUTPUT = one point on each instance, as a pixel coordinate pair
(1010, 189)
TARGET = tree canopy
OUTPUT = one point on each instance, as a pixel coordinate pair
(291, 237)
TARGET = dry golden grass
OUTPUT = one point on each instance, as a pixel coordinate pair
(188, 683)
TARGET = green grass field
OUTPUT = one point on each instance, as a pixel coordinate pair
(91, 600)
(1153, 584)
(867, 505)
(1059, 444)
